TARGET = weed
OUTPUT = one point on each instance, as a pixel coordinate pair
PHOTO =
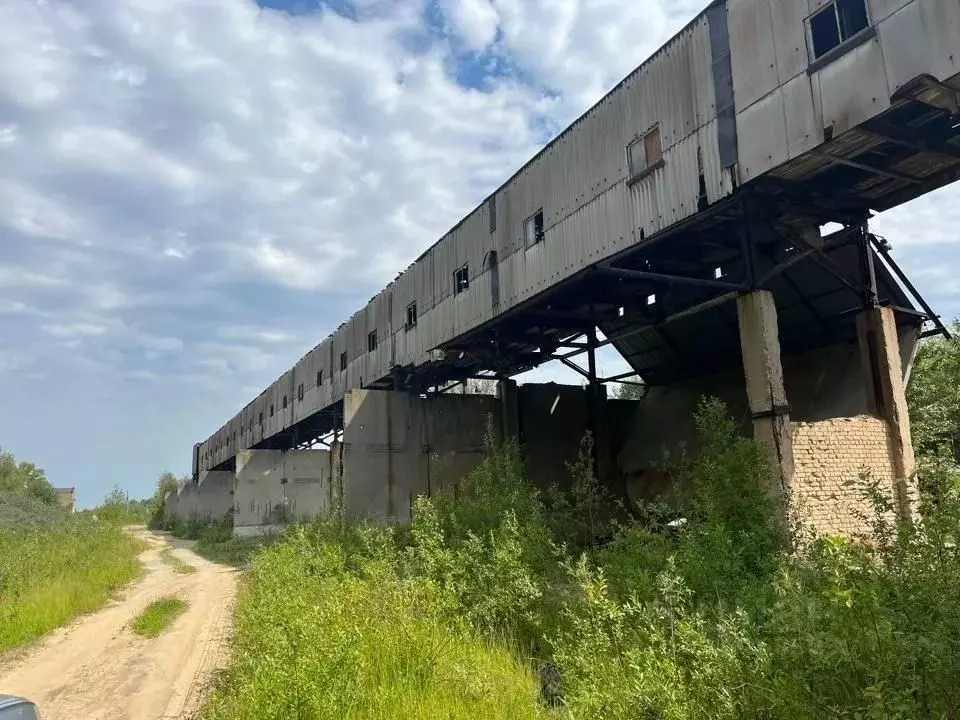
(179, 566)
(158, 616)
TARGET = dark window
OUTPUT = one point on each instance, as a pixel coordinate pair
(284, 402)
(242, 430)
(492, 211)
(533, 230)
(371, 341)
(343, 361)
(260, 422)
(461, 280)
(319, 378)
(411, 317)
(836, 23)
(300, 392)
(271, 410)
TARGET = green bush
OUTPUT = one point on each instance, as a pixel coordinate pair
(703, 608)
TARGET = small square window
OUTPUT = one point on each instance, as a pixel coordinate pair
(717, 273)
(343, 362)
(651, 299)
(533, 230)
(411, 317)
(319, 378)
(371, 341)
(461, 280)
(644, 153)
(835, 23)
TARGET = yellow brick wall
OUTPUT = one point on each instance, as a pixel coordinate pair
(829, 453)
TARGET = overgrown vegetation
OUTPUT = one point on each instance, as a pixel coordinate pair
(54, 565)
(503, 603)
(158, 616)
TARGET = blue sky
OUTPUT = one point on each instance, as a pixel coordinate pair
(195, 192)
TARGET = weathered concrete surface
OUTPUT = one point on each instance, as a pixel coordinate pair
(215, 494)
(397, 446)
(188, 501)
(273, 487)
(171, 505)
(881, 350)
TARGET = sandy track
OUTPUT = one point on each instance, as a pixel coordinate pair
(96, 669)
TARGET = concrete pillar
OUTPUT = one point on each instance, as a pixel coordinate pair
(886, 396)
(760, 347)
(188, 501)
(171, 509)
(274, 487)
(215, 494)
(397, 446)
(508, 394)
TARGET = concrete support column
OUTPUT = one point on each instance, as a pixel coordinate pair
(760, 346)
(215, 494)
(886, 395)
(508, 394)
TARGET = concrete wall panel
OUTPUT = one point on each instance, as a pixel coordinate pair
(215, 494)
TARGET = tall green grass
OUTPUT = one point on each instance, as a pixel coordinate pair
(321, 633)
(52, 572)
(622, 615)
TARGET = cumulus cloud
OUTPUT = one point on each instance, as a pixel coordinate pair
(194, 192)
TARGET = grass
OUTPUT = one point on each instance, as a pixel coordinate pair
(51, 573)
(179, 566)
(316, 640)
(725, 617)
(158, 616)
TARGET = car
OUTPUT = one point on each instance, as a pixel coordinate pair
(17, 708)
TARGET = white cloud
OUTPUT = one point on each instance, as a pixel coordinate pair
(475, 21)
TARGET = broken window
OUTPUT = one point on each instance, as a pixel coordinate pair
(411, 317)
(461, 280)
(533, 230)
(372, 341)
(343, 362)
(284, 402)
(492, 212)
(836, 23)
(644, 153)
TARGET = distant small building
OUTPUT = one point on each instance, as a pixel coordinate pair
(66, 497)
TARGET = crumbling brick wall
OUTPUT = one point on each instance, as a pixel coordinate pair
(829, 453)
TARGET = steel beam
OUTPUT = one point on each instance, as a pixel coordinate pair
(664, 279)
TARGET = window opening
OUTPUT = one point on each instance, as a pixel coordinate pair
(836, 23)
(644, 153)
(271, 410)
(461, 280)
(651, 299)
(372, 341)
(343, 361)
(300, 392)
(261, 420)
(717, 273)
(284, 402)
(411, 316)
(533, 230)
(319, 378)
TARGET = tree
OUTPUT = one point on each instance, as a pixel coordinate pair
(25, 479)
(630, 392)
(934, 395)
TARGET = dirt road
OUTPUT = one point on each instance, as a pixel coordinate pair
(96, 669)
